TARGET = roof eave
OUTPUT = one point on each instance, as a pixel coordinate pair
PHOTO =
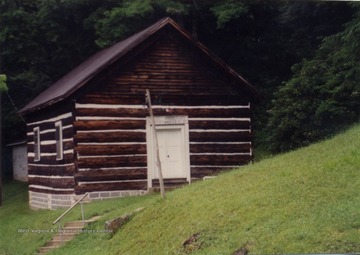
(150, 31)
(107, 61)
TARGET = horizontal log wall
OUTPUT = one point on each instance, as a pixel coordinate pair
(50, 175)
(110, 122)
(173, 68)
(112, 149)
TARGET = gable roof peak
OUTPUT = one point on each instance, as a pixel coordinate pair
(91, 67)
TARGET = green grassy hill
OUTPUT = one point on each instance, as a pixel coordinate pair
(306, 201)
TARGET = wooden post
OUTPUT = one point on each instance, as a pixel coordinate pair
(2, 87)
(1, 172)
(82, 213)
(60, 232)
(158, 161)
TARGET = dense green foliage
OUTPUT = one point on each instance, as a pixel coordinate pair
(41, 40)
(3, 86)
(323, 96)
(305, 201)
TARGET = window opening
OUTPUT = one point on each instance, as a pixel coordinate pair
(37, 154)
(59, 140)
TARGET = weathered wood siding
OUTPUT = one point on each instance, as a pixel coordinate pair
(48, 174)
(110, 116)
(111, 150)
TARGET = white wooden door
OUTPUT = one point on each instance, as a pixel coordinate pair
(173, 141)
(172, 148)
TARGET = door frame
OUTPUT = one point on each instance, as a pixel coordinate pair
(167, 123)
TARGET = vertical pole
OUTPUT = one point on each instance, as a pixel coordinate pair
(60, 232)
(1, 81)
(82, 213)
(3, 87)
(158, 161)
(1, 196)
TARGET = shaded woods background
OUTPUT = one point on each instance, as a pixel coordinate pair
(303, 56)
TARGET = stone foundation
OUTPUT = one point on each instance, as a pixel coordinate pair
(96, 195)
(39, 200)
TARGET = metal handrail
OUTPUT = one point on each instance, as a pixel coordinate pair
(68, 210)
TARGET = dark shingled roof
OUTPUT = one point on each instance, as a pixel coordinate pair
(104, 58)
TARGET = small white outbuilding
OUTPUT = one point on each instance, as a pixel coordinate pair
(19, 161)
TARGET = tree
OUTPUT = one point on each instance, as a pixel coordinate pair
(3, 88)
(41, 40)
(323, 96)
(128, 17)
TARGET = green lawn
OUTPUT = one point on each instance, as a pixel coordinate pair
(16, 219)
(306, 201)
(26, 230)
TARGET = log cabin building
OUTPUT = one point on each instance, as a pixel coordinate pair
(91, 131)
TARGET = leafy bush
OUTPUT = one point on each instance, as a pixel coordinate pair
(322, 97)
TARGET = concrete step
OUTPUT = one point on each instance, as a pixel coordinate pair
(68, 233)
(93, 219)
(75, 224)
(80, 223)
(69, 230)
(57, 243)
(65, 237)
(47, 249)
(72, 227)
